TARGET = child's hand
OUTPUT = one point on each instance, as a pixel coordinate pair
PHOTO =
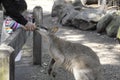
(30, 26)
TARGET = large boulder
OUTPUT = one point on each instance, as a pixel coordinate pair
(73, 13)
(59, 5)
(83, 24)
(67, 20)
(113, 26)
(74, 19)
(66, 11)
(90, 14)
(103, 22)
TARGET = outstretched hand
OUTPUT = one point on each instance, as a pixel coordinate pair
(30, 26)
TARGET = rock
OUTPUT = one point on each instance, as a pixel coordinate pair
(112, 28)
(59, 5)
(83, 25)
(67, 20)
(65, 12)
(71, 14)
(91, 14)
(102, 23)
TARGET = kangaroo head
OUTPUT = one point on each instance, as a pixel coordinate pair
(48, 30)
(45, 32)
(53, 30)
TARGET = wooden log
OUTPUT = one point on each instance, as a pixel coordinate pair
(37, 54)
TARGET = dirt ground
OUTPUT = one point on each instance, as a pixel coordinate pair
(106, 48)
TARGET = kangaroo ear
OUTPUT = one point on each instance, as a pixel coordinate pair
(54, 29)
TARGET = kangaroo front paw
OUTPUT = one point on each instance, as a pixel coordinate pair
(52, 78)
(49, 71)
(54, 74)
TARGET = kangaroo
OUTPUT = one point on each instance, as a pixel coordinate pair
(80, 60)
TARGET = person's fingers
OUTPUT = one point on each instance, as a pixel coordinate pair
(33, 27)
(24, 28)
(30, 26)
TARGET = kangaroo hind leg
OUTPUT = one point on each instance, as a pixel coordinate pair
(52, 69)
(51, 66)
(83, 74)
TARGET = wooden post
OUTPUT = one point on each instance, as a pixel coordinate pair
(1, 20)
(38, 15)
(5, 52)
(37, 53)
(4, 65)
